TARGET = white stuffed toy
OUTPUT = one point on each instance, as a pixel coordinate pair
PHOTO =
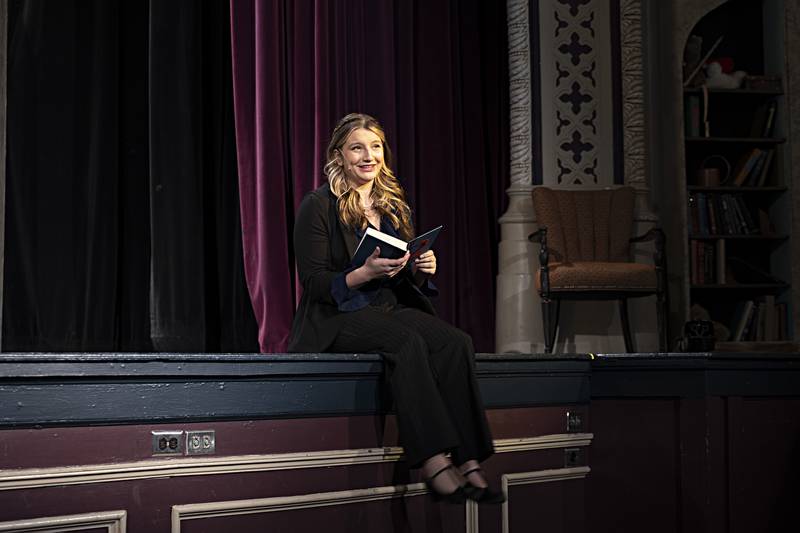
(716, 79)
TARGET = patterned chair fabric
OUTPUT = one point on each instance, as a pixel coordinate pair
(600, 276)
(588, 236)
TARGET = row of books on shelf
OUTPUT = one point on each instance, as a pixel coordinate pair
(711, 265)
(761, 125)
(708, 263)
(752, 168)
(693, 116)
(764, 119)
(724, 214)
(759, 320)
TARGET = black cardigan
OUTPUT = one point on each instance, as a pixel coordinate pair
(323, 248)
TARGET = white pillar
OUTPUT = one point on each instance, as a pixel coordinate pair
(518, 317)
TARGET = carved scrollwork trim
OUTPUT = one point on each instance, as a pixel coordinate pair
(519, 72)
(634, 132)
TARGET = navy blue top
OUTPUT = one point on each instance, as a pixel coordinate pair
(349, 299)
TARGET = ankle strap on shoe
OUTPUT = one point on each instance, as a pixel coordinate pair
(445, 467)
(471, 470)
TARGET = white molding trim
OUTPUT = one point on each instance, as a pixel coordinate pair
(113, 521)
(539, 476)
(545, 442)
(199, 511)
(471, 520)
(196, 511)
(160, 468)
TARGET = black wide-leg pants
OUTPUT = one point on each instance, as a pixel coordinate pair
(430, 366)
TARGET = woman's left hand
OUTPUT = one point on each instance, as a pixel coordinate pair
(425, 263)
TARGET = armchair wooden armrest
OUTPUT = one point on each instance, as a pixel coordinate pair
(660, 260)
(654, 234)
(540, 236)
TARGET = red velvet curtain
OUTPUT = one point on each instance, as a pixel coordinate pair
(434, 73)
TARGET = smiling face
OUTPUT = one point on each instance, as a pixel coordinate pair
(361, 157)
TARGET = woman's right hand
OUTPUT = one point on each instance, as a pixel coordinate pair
(375, 267)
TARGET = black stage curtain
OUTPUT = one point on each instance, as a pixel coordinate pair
(122, 215)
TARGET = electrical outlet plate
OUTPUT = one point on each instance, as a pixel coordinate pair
(574, 422)
(201, 442)
(167, 442)
(573, 457)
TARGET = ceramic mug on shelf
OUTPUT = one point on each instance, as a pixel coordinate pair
(714, 171)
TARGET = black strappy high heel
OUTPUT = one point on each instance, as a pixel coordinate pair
(482, 494)
(457, 496)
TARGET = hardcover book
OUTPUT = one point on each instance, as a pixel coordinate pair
(739, 315)
(762, 176)
(692, 119)
(763, 120)
(392, 247)
(742, 318)
(745, 165)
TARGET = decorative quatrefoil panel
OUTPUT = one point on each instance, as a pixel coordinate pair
(576, 89)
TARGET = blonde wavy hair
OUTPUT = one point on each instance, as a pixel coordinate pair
(387, 194)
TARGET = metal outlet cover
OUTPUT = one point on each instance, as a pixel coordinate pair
(574, 422)
(201, 442)
(167, 442)
(573, 457)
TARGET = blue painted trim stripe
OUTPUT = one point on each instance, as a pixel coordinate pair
(536, 92)
(616, 91)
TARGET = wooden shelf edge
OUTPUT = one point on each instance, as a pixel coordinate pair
(757, 346)
(752, 237)
(740, 286)
(741, 90)
(753, 140)
(734, 188)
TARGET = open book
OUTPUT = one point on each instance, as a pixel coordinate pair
(392, 247)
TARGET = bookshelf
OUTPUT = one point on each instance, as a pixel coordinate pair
(738, 197)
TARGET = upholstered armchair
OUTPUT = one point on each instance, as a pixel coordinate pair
(585, 254)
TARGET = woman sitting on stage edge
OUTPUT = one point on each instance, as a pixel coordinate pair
(381, 307)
